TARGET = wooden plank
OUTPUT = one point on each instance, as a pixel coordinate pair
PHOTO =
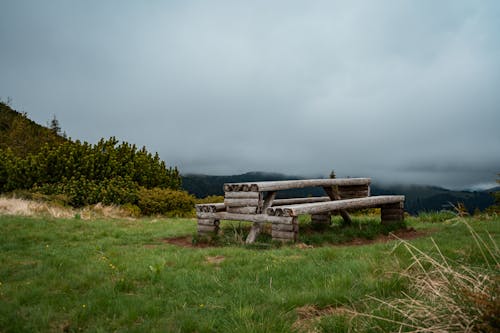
(290, 184)
(242, 210)
(259, 218)
(241, 202)
(241, 195)
(323, 207)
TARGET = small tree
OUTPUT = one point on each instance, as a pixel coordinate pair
(54, 125)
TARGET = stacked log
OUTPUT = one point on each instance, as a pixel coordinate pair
(285, 232)
(392, 213)
(210, 208)
(242, 202)
(320, 221)
(208, 227)
(354, 191)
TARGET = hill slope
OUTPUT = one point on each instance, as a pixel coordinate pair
(22, 135)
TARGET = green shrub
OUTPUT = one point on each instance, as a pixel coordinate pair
(210, 199)
(163, 201)
(109, 172)
(132, 210)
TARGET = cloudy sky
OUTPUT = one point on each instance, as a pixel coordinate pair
(402, 91)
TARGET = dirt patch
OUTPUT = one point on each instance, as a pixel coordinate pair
(184, 241)
(308, 316)
(406, 234)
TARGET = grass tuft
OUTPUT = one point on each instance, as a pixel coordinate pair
(446, 296)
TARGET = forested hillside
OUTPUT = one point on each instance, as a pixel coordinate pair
(37, 160)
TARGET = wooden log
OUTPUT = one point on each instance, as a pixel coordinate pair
(240, 187)
(241, 195)
(355, 194)
(293, 201)
(209, 222)
(353, 188)
(392, 218)
(323, 207)
(242, 210)
(290, 184)
(320, 218)
(254, 232)
(263, 205)
(333, 193)
(212, 207)
(284, 234)
(395, 205)
(391, 211)
(268, 201)
(241, 202)
(259, 218)
(207, 228)
(284, 227)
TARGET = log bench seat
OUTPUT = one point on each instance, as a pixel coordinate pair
(256, 203)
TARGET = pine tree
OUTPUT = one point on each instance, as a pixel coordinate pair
(54, 125)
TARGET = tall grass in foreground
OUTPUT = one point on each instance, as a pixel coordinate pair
(443, 296)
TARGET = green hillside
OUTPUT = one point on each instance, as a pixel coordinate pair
(22, 135)
(37, 162)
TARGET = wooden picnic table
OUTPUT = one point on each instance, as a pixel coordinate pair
(256, 202)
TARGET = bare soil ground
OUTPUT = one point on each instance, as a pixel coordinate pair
(408, 233)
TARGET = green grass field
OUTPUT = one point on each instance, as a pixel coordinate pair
(71, 275)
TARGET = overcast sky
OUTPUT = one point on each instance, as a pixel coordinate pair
(401, 91)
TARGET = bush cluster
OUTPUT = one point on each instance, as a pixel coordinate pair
(109, 172)
(165, 201)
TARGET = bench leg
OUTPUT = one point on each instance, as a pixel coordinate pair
(320, 221)
(285, 232)
(208, 227)
(392, 213)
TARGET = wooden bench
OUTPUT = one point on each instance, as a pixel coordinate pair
(255, 202)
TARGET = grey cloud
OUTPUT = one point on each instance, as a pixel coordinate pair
(374, 89)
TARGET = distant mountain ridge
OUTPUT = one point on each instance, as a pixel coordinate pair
(418, 197)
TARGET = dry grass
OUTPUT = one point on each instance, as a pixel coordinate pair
(23, 207)
(445, 297)
(310, 315)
